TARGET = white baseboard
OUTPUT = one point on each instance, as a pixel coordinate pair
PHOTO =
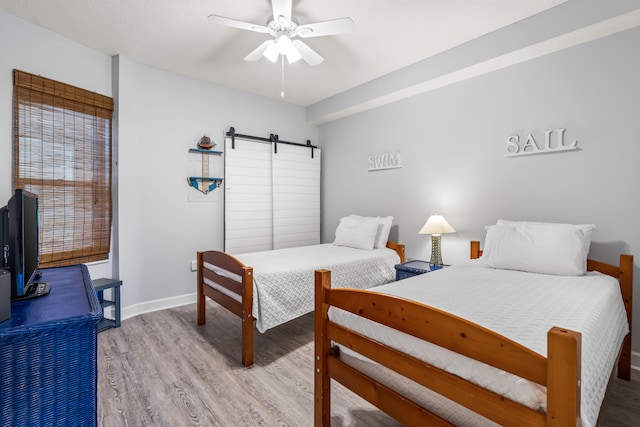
(159, 304)
(635, 361)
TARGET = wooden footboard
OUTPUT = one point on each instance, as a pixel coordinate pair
(234, 291)
(560, 371)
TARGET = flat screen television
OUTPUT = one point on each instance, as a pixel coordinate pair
(4, 237)
(21, 250)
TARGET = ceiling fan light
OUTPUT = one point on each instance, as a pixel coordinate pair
(271, 53)
(284, 44)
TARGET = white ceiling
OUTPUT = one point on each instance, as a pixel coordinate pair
(177, 36)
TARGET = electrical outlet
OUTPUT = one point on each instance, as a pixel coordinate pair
(194, 265)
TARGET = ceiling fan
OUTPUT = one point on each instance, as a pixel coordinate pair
(285, 34)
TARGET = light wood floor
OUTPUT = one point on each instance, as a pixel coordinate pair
(161, 369)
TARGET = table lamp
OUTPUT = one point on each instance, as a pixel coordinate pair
(436, 225)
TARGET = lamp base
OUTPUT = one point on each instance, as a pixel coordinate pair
(436, 255)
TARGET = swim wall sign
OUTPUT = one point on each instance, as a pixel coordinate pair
(554, 142)
(384, 161)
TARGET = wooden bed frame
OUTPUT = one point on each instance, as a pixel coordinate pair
(560, 371)
(243, 288)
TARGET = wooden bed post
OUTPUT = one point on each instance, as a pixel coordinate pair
(200, 316)
(475, 250)
(626, 286)
(564, 370)
(247, 317)
(398, 248)
(322, 382)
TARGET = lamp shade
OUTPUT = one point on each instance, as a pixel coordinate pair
(436, 224)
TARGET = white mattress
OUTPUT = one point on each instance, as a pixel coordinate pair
(283, 279)
(521, 306)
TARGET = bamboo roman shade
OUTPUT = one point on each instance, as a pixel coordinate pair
(62, 153)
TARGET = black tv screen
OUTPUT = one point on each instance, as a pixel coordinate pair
(24, 254)
(4, 237)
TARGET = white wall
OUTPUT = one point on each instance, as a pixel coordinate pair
(161, 115)
(452, 145)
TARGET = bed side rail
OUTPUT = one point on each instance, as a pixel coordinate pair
(624, 274)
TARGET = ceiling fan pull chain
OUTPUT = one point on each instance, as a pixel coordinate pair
(282, 82)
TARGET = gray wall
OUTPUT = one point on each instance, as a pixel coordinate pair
(452, 143)
(160, 116)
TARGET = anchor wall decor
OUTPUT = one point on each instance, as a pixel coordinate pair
(205, 183)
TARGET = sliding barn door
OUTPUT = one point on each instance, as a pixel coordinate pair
(296, 196)
(272, 199)
(248, 203)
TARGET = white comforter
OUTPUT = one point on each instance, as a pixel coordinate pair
(521, 306)
(283, 278)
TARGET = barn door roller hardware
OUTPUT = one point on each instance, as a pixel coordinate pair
(273, 139)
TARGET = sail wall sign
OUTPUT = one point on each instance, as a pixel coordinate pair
(554, 142)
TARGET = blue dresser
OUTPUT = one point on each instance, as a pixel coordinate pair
(48, 354)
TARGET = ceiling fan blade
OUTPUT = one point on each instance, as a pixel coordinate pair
(326, 28)
(281, 8)
(309, 55)
(221, 20)
(258, 52)
(293, 55)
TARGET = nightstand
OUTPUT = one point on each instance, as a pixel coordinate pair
(414, 268)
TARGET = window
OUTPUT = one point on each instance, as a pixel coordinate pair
(62, 153)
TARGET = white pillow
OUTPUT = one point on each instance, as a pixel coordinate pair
(359, 233)
(587, 229)
(559, 249)
(384, 228)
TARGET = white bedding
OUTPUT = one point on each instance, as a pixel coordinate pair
(283, 278)
(521, 306)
